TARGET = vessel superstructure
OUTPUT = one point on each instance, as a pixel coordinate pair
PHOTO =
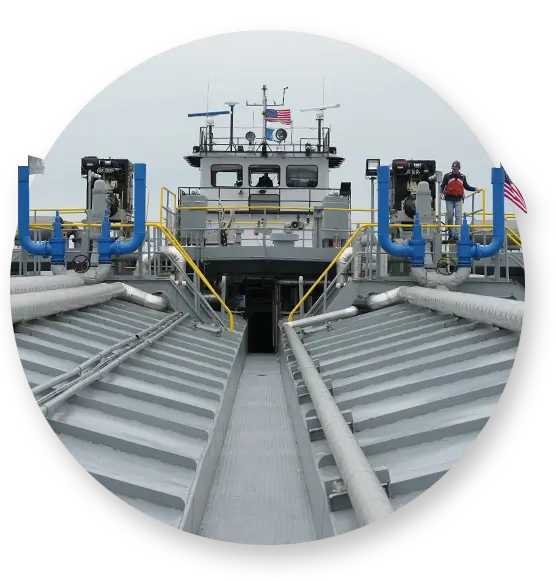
(258, 322)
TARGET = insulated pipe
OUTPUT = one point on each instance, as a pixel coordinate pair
(357, 257)
(325, 317)
(31, 284)
(92, 360)
(66, 393)
(504, 313)
(367, 496)
(345, 257)
(29, 306)
(94, 275)
(144, 299)
(431, 279)
(171, 252)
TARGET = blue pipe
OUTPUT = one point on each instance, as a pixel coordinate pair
(56, 246)
(412, 249)
(468, 250)
(106, 248)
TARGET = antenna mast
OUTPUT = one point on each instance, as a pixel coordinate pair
(264, 105)
(320, 116)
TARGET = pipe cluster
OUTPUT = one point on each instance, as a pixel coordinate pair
(414, 249)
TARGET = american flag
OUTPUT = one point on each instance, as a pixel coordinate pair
(512, 193)
(283, 116)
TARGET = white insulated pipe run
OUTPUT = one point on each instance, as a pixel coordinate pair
(94, 275)
(504, 313)
(325, 317)
(367, 496)
(66, 393)
(29, 306)
(32, 284)
(430, 279)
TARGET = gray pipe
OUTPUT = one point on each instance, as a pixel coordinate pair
(35, 305)
(357, 257)
(209, 328)
(92, 360)
(367, 496)
(325, 317)
(94, 275)
(31, 284)
(29, 306)
(144, 299)
(504, 313)
(57, 398)
(301, 293)
(430, 279)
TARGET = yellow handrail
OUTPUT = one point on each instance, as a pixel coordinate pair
(64, 211)
(336, 258)
(290, 208)
(161, 205)
(172, 239)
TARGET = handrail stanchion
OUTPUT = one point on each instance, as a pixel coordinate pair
(174, 242)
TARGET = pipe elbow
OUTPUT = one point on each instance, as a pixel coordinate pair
(435, 280)
(36, 248)
(479, 251)
(128, 247)
(400, 250)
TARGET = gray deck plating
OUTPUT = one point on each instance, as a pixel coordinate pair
(258, 495)
(144, 430)
(419, 386)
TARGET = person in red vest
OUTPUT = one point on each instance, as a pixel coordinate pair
(452, 191)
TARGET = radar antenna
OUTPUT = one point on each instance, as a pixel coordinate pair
(320, 116)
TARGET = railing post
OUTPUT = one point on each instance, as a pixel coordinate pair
(301, 293)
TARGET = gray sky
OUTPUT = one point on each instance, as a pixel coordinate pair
(385, 112)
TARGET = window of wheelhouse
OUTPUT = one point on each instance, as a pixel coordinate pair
(226, 176)
(264, 176)
(302, 176)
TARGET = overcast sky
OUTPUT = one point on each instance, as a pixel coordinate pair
(385, 112)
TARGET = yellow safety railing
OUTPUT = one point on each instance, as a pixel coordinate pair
(162, 206)
(163, 227)
(172, 239)
(327, 269)
(511, 234)
(174, 242)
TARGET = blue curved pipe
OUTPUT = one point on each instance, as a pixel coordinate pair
(468, 250)
(106, 247)
(412, 249)
(484, 251)
(56, 246)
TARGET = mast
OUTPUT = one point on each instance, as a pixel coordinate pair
(264, 105)
(231, 105)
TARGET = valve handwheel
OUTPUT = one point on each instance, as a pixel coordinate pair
(446, 265)
(81, 264)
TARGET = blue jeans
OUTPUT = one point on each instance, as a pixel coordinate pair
(453, 207)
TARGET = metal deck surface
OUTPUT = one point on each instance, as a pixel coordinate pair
(418, 387)
(144, 429)
(258, 495)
